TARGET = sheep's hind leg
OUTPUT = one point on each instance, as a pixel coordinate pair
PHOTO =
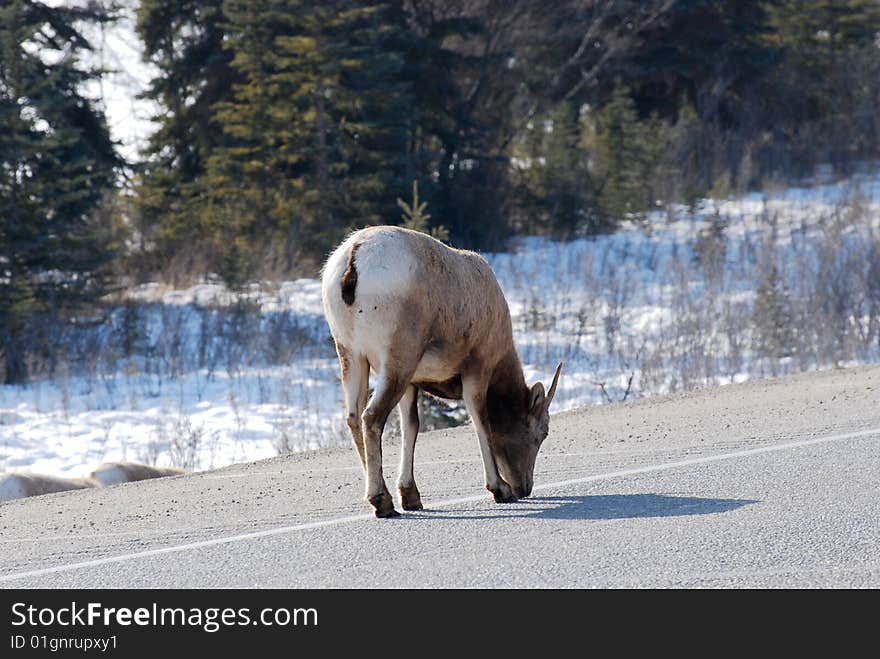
(355, 381)
(390, 388)
(408, 407)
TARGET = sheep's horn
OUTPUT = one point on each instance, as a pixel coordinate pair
(553, 386)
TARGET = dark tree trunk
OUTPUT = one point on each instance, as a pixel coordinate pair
(16, 371)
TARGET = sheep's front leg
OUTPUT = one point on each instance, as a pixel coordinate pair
(474, 394)
(388, 392)
(408, 407)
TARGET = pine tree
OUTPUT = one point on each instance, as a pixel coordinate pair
(464, 88)
(555, 173)
(772, 316)
(415, 217)
(184, 40)
(315, 137)
(372, 106)
(626, 151)
(56, 160)
(825, 90)
(251, 173)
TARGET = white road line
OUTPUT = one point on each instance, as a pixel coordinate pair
(448, 502)
(392, 464)
(320, 470)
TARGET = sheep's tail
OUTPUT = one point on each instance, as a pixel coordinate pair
(350, 277)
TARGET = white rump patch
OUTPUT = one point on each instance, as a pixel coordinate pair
(386, 267)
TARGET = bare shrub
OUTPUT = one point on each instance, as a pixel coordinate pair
(184, 443)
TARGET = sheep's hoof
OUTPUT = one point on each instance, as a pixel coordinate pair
(383, 505)
(387, 514)
(503, 493)
(410, 498)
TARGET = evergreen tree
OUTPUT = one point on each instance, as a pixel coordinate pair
(414, 216)
(711, 58)
(315, 136)
(554, 168)
(772, 316)
(373, 103)
(825, 91)
(353, 108)
(56, 160)
(250, 176)
(464, 88)
(184, 40)
(627, 152)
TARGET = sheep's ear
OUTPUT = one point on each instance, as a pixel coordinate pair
(536, 398)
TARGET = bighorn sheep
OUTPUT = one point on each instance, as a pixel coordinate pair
(19, 486)
(424, 316)
(112, 473)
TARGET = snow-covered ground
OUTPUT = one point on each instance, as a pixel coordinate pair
(202, 377)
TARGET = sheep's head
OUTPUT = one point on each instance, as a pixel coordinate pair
(516, 449)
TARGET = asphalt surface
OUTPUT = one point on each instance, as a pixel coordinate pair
(765, 484)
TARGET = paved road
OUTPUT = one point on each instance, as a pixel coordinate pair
(766, 484)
